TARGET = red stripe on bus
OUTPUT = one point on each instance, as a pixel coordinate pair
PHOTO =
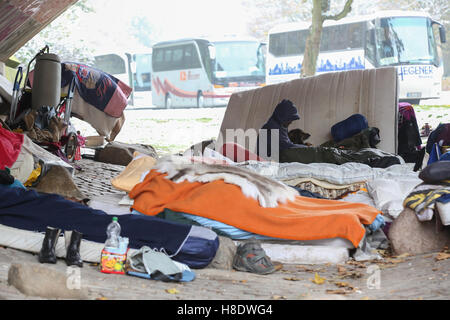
(166, 87)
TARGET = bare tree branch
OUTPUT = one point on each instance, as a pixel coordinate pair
(347, 8)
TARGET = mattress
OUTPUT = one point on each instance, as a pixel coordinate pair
(31, 241)
(322, 101)
(239, 234)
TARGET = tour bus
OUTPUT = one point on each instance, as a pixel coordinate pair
(204, 73)
(406, 40)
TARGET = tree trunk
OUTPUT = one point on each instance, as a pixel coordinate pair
(312, 46)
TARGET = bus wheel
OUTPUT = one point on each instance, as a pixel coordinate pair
(168, 104)
(200, 100)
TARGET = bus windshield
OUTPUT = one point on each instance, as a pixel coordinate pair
(406, 40)
(141, 75)
(238, 59)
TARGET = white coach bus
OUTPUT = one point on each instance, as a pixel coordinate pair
(406, 40)
(204, 73)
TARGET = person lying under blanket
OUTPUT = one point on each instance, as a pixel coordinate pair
(284, 114)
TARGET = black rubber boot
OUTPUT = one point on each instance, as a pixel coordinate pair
(47, 253)
(73, 257)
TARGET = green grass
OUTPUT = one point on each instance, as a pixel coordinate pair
(204, 120)
(416, 106)
(169, 149)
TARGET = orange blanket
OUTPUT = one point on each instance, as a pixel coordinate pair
(302, 219)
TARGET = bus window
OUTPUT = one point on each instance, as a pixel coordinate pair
(157, 59)
(293, 43)
(288, 44)
(167, 65)
(110, 63)
(276, 44)
(191, 57)
(356, 33)
(177, 58)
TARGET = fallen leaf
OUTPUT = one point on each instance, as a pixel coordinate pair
(102, 298)
(404, 255)
(318, 279)
(345, 273)
(344, 285)
(307, 269)
(357, 263)
(243, 281)
(172, 291)
(442, 256)
(339, 291)
(292, 279)
(276, 297)
(341, 270)
(365, 298)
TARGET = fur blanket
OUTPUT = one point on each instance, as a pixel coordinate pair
(267, 191)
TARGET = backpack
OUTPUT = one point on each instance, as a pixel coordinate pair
(409, 141)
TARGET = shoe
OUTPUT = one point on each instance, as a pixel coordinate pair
(47, 253)
(73, 241)
(251, 257)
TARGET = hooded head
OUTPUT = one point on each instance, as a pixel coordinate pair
(285, 112)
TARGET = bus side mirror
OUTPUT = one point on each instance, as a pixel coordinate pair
(212, 52)
(133, 66)
(442, 34)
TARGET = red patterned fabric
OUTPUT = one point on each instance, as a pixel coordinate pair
(238, 153)
(10, 145)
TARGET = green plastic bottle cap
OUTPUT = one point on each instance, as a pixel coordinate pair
(115, 219)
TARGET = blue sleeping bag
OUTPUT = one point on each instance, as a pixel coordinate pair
(29, 210)
(349, 127)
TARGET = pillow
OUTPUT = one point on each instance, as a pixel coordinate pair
(389, 194)
(132, 173)
(436, 172)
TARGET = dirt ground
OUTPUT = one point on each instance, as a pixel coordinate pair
(421, 277)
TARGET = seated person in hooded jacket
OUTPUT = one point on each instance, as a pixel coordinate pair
(283, 115)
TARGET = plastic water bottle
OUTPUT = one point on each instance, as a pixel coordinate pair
(113, 233)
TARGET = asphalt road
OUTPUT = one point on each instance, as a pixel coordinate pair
(444, 100)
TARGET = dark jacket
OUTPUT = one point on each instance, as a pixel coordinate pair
(284, 112)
